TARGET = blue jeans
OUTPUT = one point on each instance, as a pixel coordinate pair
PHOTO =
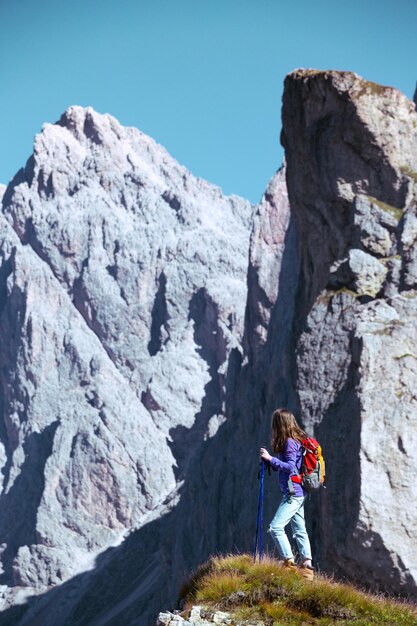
(291, 509)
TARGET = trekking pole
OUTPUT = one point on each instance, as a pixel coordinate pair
(259, 514)
(262, 509)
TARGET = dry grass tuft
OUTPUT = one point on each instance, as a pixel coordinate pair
(266, 591)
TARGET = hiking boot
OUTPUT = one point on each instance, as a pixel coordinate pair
(306, 571)
(290, 565)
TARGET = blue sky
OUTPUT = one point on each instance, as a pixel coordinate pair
(202, 77)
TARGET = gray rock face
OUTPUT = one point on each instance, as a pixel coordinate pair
(60, 396)
(351, 150)
(267, 244)
(123, 284)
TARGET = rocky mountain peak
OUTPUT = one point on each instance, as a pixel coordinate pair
(356, 140)
(121, 363)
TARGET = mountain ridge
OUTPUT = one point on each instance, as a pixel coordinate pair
(146, 316)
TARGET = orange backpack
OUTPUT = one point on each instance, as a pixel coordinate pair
(313, 474)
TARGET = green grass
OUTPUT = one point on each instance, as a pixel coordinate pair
(389, 327)
(278, 596)
(410, 294)
(347, 291)
(409, 172)
(367, 87)
(328, 294)
(310, 72)
(388, 208)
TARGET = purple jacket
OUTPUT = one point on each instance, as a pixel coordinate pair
(288, 464)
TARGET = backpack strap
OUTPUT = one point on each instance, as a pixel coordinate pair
(296, 478)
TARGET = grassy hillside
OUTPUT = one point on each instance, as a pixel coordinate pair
(265, 591)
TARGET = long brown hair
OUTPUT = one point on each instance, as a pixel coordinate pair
(284, 426)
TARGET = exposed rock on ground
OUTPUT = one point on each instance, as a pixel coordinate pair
(199, 615)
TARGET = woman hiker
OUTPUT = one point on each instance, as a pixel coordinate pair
(285, 440)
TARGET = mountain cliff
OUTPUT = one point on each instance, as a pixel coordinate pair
(124, 291)
(351, 149)
(150, 324)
